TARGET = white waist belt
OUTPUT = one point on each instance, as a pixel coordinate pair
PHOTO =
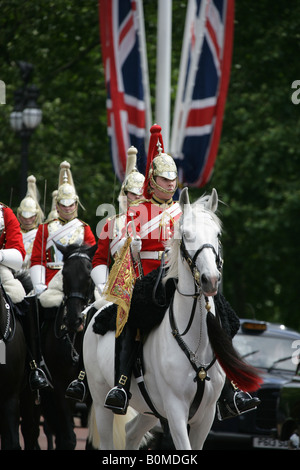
(53, 265)
(151, 254)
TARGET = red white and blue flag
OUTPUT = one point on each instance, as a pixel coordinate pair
(202, 88)
(126, 78)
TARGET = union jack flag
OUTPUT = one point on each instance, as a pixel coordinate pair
(126, 79)
(202, 88)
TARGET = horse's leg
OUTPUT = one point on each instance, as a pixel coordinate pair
(30, 419)
(199, 432)
(177, 419)
(104, 420)
(136, 429)
(10, 424)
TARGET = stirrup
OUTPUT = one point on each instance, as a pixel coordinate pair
(76, 390)
(231, 409)
(37, 377)
(117, 400)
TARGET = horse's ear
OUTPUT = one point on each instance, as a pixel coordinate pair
(212, 203)
(184, 198)
(60, 247)
(92, 250)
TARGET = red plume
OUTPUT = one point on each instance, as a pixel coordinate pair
(152, 152)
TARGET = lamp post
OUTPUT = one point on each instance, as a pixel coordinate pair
(25, 117)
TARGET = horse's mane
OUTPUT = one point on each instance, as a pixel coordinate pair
(174, 243)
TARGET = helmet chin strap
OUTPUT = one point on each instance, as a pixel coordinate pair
(166, 191)
(62, 213)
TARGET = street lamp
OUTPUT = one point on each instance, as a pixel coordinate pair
(25, 117)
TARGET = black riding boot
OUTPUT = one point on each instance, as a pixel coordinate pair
(233, 402)
(125, 353)
(37, 377)
(77, 389)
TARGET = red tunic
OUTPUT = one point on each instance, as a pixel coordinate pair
(11, 236)
(108, 240)
(154, 223)
(45, 254)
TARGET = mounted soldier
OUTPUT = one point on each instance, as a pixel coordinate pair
(30, 216)
(152, 222)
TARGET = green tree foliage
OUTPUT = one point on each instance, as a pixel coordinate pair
(257, 167)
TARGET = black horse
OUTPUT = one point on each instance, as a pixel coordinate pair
(61, 339)
(12, 373)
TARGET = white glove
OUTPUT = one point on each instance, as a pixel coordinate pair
(99, 274)
(39, 289)
(38, 276)
(136, 246)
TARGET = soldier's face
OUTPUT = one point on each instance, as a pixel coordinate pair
(66, 212)
(132, 196)
(164, 183)
(27, 222)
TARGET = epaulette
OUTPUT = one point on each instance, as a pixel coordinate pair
(3, 205)
(138, 201)
(83, 223)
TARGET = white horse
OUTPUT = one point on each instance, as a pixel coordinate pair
(179, 362)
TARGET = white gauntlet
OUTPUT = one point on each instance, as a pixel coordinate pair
(38, 278)
(99, 274)
(136, 246)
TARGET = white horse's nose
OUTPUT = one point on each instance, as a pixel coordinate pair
(210, 283)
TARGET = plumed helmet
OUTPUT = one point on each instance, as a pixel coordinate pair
(66, 193)
(164, 165)
(133, 181)
(159, 163)
(29, 206)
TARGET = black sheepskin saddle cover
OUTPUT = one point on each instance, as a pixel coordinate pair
(148, 307)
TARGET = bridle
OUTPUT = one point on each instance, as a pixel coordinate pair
(201, 371)
(61, 328)
(76, 294)
(192, 261)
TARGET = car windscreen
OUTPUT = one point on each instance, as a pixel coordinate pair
(267, 352)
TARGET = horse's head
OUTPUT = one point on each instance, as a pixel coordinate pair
(199, 232)
(77, 283)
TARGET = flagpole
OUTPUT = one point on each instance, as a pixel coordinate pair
(163, 68)
(179, 102)
(199, 29)
(145, 72)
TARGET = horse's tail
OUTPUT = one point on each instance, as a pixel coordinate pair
(238, 371)
(119, 433)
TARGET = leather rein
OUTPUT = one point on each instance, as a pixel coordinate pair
(201, 371)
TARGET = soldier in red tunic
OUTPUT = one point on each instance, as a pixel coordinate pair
(111, 237)
(46, 259)
(30, 216)
(154, 220)
(108, 248)
(12, 256)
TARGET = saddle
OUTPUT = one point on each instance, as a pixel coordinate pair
(150, 300)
